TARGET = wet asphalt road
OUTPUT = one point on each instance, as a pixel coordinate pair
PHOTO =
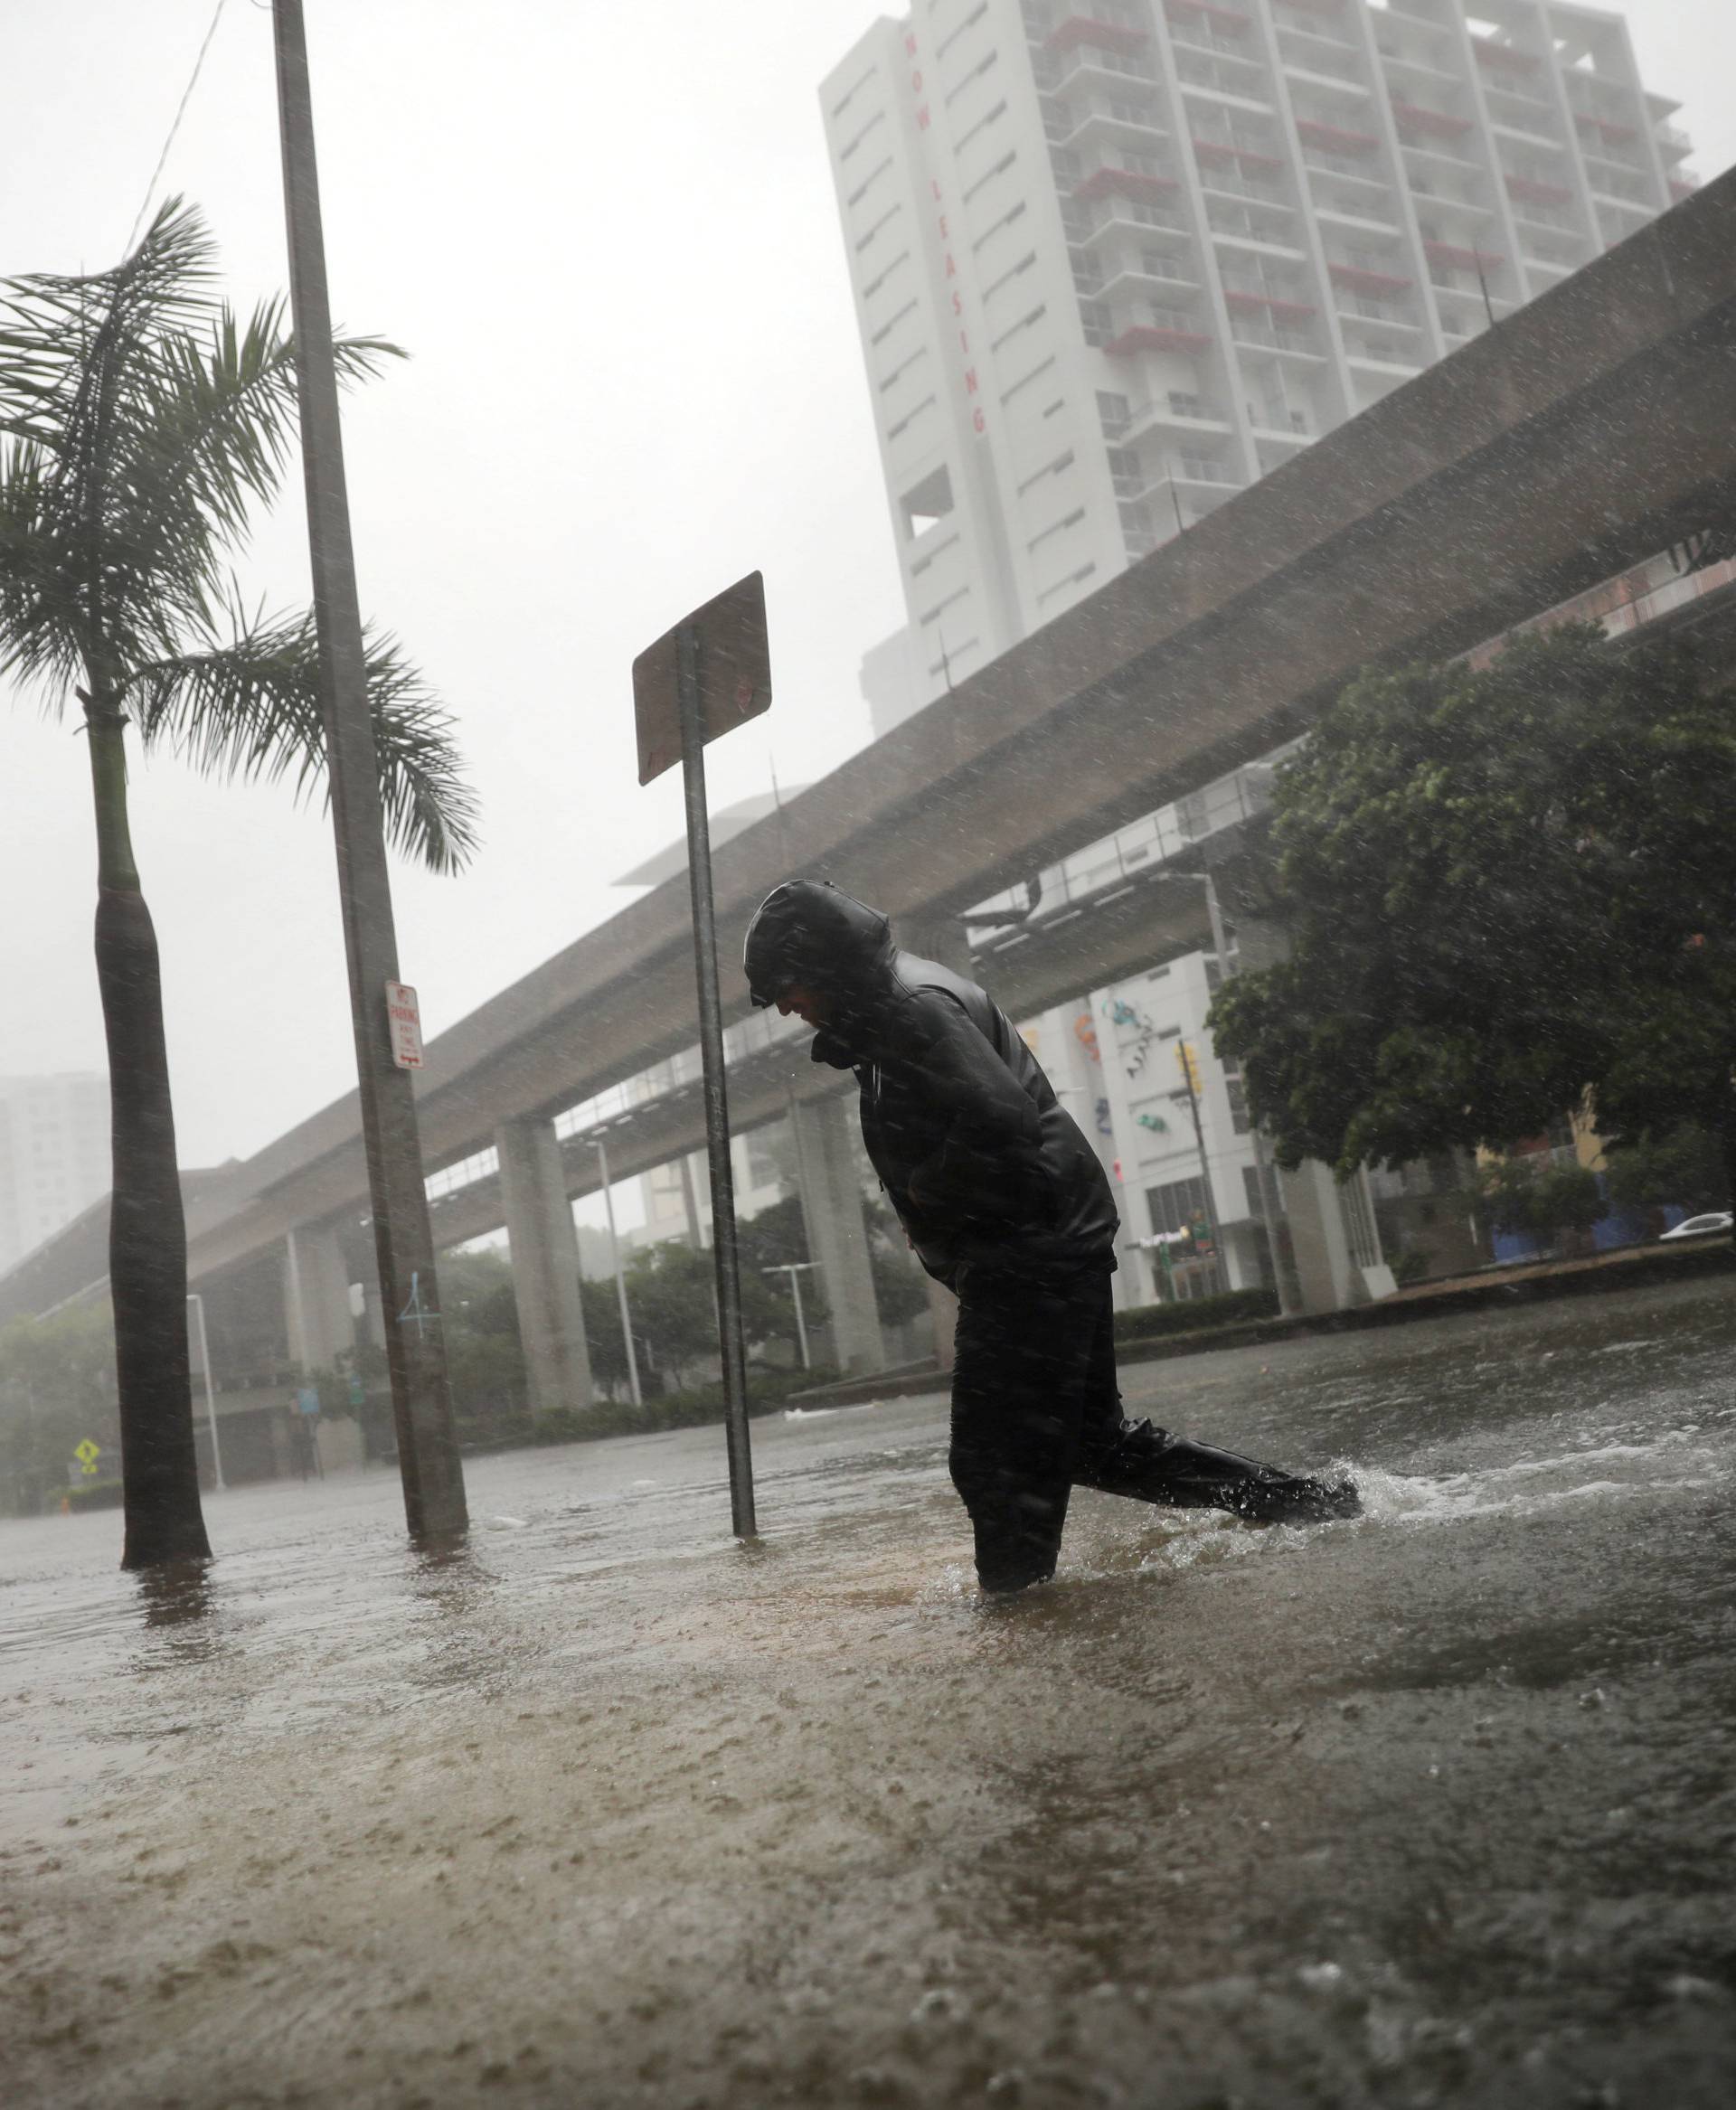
(1435, 1807)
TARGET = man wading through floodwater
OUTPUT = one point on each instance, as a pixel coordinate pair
(1005, 1203)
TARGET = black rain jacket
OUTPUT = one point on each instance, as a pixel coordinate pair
(990, 1176)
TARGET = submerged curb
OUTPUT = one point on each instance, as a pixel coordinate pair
(1537, 1282)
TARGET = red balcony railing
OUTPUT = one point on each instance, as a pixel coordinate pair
(1148, 337)
(1490, 54)
(1085, 29)
(1224, 18)
(1364, 281)
(1615, 135)
(1533, 193)
(1461, 260)
(1125, 182)
(1412, 118)
(1334, 139)
(1239, 299)
(1221, 150)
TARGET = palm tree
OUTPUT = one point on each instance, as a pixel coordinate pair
(138, 425)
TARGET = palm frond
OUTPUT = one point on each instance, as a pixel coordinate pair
(38, 606)
(149, 422)
(251, 708)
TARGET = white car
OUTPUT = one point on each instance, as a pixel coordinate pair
(1699, 1227)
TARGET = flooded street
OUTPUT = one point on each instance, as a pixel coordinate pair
(1432, 1807)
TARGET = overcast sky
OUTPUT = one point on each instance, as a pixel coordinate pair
(608, 237)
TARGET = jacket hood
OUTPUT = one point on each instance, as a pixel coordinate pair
(809, 931)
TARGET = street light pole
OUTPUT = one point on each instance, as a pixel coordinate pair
(1185, 1055)
(1271, 1208)
(198, 1303)
(795, 1269)
(620, 1279)
(421, 1398)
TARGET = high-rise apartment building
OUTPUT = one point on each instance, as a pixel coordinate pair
(53, 1156)
(1115, 260)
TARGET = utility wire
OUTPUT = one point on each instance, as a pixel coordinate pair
(162, 157)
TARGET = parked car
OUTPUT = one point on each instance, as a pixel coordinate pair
(1700, 1227)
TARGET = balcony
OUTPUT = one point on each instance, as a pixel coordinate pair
(1373, 314)
(1251, 296)
(1249, 335)
(1411, 117)
(1216, 79)
(1334, 139)
(1612, 133)
(1218, 151)
(1501, 58)
(1323, 72)
(1227, 21)
(1122, 216)
(1174, 411)
(1412, 63)
(1452, 258)
(1358, 279)
(1092, 71)
(1085, 32)
(1115, 120)
(1227, 183)
(1126, 182)
(1528, 190)
(1127, 280)
(1139, 337)
(1206, 480)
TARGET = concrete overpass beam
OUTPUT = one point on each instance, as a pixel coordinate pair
(316, 1295)
(837, 1234)
(545, 1266)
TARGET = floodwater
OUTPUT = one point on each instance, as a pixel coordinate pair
(1433, 1807)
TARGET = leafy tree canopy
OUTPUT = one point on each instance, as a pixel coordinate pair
(1504, 889)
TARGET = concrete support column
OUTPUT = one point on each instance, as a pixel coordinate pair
(1333, 1236)
(545, 1266)
(316, 1297)
(945, 939)
(837, 1234)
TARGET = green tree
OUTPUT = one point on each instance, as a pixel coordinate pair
(1541, 1200)
(485, 1354)
(1684, 1167)
(1505, 890)
(140, 423)
(57, 1388)
(601, 1305)
(670, 1290)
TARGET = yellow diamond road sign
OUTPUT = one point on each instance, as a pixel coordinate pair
(88, 1454)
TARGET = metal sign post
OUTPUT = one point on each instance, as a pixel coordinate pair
(709, 674)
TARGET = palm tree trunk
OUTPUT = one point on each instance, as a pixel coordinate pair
(148, 1233)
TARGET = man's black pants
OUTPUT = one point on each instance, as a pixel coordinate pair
(1036, 1412)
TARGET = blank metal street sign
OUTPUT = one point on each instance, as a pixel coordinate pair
(734, 674)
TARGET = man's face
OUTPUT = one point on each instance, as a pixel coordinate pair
(800, 1001)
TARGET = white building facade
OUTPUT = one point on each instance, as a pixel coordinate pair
(53, 1156)
(1113, 261)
